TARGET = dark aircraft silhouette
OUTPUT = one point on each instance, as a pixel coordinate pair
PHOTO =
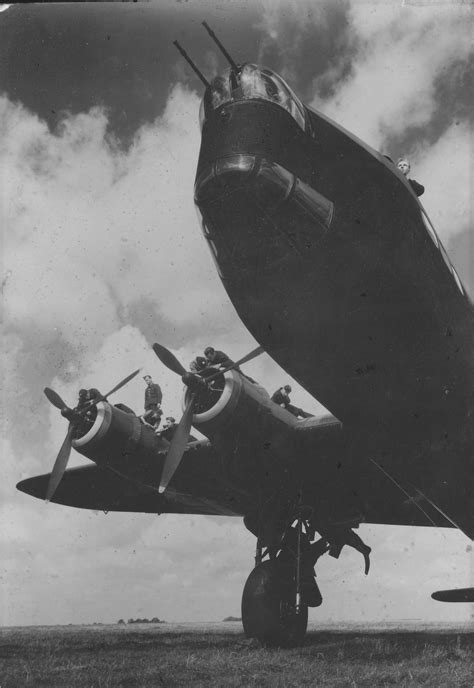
(334, 267)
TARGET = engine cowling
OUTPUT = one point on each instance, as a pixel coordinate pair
(245, 427)
(237, 404)
(251, 434)
(116, 437)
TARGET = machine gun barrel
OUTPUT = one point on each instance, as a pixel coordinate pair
(211, 33)
(191, 63)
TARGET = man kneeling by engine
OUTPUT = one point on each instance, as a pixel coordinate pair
(221, 361)
(168, 429)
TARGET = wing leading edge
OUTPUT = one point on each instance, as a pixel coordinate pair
(103, 489)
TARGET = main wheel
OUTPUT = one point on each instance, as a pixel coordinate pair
(268, 610)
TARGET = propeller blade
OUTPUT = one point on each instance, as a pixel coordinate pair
(178, 445)
(54, 398)
(253, 354)
(60, 464)
(168, 359)
(122, 383)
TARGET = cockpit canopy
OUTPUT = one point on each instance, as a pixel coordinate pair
(251, 82)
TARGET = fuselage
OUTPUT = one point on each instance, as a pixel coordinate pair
(326, 254)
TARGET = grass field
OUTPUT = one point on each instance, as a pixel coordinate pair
(219, 655)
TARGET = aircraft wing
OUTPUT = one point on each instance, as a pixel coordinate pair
(337, 477)
(344, 483)
(102, 489)
(197, 490)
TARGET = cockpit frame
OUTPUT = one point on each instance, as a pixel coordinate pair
(251, 82)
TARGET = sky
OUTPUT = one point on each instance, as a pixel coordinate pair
(102, 256)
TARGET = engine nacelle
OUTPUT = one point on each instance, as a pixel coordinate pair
(119, 439)
(244, 425)
(240, 414)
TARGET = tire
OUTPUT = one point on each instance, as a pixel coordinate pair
(268, 606)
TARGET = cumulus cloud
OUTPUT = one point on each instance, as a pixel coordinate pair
(275, 14)
(322, 45)
(446, 171)
(85, 220)
(402, 50)
(93, 239)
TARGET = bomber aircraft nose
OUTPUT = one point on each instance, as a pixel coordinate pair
(247, 202)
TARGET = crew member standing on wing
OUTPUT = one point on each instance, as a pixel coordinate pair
(153, 399)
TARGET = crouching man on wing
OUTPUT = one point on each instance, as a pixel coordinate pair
(282, 398)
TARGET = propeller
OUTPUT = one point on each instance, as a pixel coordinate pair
(55, 399)
(119, 386)
(181, 435)
(168, 359)
(178, 445)
(72, 415)
(60, 464)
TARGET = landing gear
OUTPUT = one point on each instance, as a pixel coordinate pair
(280, 589)
(274, 605)
(269, 610)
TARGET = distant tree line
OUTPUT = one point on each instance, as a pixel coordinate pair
(155, 619)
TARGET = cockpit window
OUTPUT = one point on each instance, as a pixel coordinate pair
(220, 91)
(256, 83)
(252, 82)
